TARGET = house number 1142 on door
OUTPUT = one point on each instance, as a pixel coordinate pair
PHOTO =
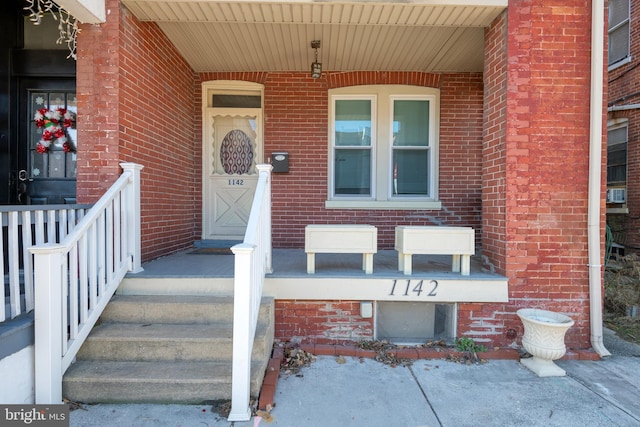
(411, 289)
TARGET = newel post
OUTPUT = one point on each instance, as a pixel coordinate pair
(132, 203)
(265, 169)
(49, 325)
(241, 365)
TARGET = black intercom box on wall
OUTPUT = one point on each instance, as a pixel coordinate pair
(280, 162)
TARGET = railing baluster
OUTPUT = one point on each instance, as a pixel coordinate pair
(14, 272)
(62, 224)
(27, 260)
(102, 278)
(117, 230)
(51, 226)
(74, 298)
(84, 275)
(64, 259)
(93, 266)
(39, 222)
(110, 244)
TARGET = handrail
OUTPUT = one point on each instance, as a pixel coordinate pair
(252, 260)
(27, 226)
(76, 278)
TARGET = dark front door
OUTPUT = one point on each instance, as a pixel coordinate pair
(35, 74)
(45, 163)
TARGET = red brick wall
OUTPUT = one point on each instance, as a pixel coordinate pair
(494, 237)
(321, 322)
(141, 109)
(296, 120)
(97, 86)
(157, 129)
(546, 151)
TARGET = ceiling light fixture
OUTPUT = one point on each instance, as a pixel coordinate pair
(316, 67)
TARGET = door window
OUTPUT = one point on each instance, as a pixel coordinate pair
(52, 141)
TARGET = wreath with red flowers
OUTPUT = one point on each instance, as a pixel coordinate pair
(54, 124)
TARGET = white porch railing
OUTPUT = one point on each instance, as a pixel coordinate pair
(252, 262)
(26, 226)
(75, 279)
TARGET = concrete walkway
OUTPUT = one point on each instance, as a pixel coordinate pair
(362, 392)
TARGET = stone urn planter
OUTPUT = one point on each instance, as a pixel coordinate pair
(544, 339)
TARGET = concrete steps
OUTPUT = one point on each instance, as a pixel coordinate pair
(164, 349)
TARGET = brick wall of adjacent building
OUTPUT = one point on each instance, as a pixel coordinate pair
(624, 90)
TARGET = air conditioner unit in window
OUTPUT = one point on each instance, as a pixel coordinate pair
(616, 195)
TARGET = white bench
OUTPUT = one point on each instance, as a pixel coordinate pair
(432, 240)
(340, 239)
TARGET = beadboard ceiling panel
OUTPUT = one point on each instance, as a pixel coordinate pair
(413, 35)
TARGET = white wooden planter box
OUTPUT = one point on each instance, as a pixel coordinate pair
(342, 238)
(433, 240)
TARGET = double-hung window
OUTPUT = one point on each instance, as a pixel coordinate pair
(619, 37)
(617, 137)
(383, 147)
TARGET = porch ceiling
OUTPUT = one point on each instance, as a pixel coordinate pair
(245, 35)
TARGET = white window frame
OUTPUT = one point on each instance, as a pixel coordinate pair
(382, 196)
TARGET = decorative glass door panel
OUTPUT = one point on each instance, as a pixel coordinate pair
(46, 172)
(232, 147)
(52, 138)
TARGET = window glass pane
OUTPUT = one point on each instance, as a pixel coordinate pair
(617, 136)
(410, 172)
(617, 154)
(57, 164)
(237, 101)
(618, 11)
(616, 174)
(619, 44)
(411, 123)
(353, 122)
(56, 161)
(352, 171)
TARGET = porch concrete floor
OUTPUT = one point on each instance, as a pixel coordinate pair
(289, 263)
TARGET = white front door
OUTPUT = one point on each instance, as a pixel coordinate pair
(232, 147)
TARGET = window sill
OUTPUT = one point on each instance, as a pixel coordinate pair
(383, 204)
(617, 210)
(619, 63)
